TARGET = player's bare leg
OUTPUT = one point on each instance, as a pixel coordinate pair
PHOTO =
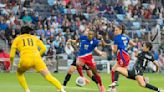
(90, 74)
(114, 74)
(47, 75)
(79, 65)
(123, 71)
(139, 78)
(22, 80)
(142, 83)
(68, 76)
(98, 78)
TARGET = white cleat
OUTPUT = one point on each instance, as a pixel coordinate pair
(113, 84)
(27, 90)
(62, 90)
(64, 87)
(112, 89)
(161, 91)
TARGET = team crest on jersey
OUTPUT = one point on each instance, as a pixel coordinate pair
(86, 47)
(91, 42)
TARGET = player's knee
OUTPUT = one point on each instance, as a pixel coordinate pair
(113, 69)
(19, 71)
(71, 70)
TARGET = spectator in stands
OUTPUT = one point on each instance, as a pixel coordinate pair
(69, 50)
(56, 42)
(27, 18)
(3, 28)
(5, 57)
(60, 49)
(50, 57)
(161, 61)
(40, 31)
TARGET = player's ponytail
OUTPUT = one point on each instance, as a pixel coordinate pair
(123, 28)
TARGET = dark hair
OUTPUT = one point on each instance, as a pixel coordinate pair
(122, 27)
(149, 45)
(26, 30)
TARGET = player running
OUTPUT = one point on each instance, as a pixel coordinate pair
(87, 45)
(30, 57)
(136, 73)
(73, 68)
(120, 47)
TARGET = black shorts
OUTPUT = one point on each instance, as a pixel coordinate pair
(133, 73)
(85, 67)
(74, 62)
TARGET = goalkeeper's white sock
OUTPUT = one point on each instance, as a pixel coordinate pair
(28, 90)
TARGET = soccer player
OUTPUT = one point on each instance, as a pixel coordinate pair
(143, 58)
(87, 45)
(30, 57)
(120, 47)
(73, 68)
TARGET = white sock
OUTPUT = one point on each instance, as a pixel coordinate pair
(28, 90)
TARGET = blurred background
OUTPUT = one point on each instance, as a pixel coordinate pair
(56, 21)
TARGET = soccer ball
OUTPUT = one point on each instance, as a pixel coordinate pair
(80, 81)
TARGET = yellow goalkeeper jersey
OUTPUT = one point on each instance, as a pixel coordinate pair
(27, 44)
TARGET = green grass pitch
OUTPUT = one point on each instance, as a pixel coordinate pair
(9, 83)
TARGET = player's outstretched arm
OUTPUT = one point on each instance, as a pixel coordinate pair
(13, 50)
(101, 53)
(132, 43)
(157, 66)
(72, 41)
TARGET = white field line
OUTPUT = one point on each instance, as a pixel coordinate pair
(40, 86)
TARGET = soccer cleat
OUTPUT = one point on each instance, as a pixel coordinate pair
(62, 90)
(101, 88)
(113, 84)
(112, 89)
(27, 90)
(161, 91)
(64, 87)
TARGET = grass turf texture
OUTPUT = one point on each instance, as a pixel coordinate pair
(9, 83)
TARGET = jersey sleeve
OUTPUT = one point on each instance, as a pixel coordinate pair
(13, 49)
(41, 46)
(152, 58)
(96, 42)
(82, 37)
(140, 56)
(128, 39)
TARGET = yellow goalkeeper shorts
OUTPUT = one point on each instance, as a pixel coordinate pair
(31, 61)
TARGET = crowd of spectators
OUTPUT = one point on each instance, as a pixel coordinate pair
(69, 18)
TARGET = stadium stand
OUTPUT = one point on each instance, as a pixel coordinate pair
(56, 21)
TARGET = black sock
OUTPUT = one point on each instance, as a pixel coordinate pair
(151, 87)
(116, 76)
(67, 78)
(94, 79)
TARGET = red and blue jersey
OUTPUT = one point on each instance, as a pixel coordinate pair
(87, 46)
(122, 42)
